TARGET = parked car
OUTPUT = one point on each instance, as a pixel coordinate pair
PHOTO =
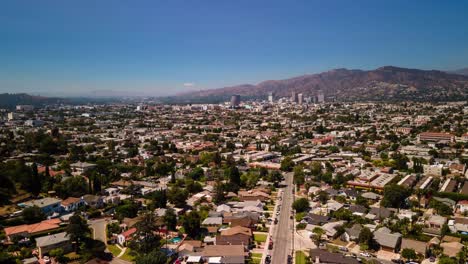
(270, 245)
(365, 254)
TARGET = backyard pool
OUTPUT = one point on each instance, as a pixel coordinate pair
(175, 240)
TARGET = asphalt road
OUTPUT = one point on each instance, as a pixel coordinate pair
(282, 238)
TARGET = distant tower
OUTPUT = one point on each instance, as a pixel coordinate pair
(294, 97)
(320, 97)
(300, 98)
(235, 100)
(271, 97)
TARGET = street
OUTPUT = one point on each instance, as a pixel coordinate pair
(282, 235)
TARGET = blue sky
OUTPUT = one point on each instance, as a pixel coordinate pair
(164, 47)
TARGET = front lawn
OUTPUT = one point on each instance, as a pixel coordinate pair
(129, 255)
(300, 257)
(259, 238)
(257, 255)
(114, 250)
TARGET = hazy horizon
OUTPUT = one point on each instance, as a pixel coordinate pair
(150, 48)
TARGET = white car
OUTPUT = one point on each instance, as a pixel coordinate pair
(365, 254)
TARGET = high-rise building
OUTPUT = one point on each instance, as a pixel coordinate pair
(300, 98)
(320, 97)
(294, 97)
(235, 100)
(271, 97)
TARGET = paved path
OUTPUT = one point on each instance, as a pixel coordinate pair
(282, 238)
(122, 252)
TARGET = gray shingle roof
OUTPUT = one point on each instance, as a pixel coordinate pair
(52, 239)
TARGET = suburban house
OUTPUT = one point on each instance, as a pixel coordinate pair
(188, 247)
(253, 196)
(237, 235)
(47, 243)
(80, 168)
(126, 236)
(71, 204)
(48, 205)
(323, 256)
(351, 234)
(462, 206)
(32, 229)
(233, 254)
(387, 240)
(436, 221)
(418, 246)
(93, 201)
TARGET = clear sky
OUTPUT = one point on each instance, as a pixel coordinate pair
(163, 47)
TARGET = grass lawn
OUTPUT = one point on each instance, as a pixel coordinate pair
(260, 237)
(72, 256)
(300, 257)
(257, 255)
(254, 261)
(114, 250)
(128, 256)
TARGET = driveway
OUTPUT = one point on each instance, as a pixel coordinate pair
(99, 229)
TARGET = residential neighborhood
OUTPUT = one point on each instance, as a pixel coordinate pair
(255, 181)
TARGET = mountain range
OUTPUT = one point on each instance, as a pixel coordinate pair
(463, 71)
(388, 83)
(10, 100)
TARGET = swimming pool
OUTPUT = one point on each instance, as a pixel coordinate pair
(175, 240)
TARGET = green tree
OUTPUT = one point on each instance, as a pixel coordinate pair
(59, 255)
(249, 180)
(275, 177)
(156, 256)
(316, 168)
(395, 196)
(146, 239)
(127, 209)
(317, 234)
(366, 239)
(301, 205)
(447, 260)
(287, 164)
(177, 196)
(219, 195)
(92, 248)
(170, 219)
(36, 180)
(233, 175)
(323, 197)
(409, 254)
(299, 176)
(159, 199)
(77, 229)
(33, 214)
(192, 186)
(191, 223)
(196, 174)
